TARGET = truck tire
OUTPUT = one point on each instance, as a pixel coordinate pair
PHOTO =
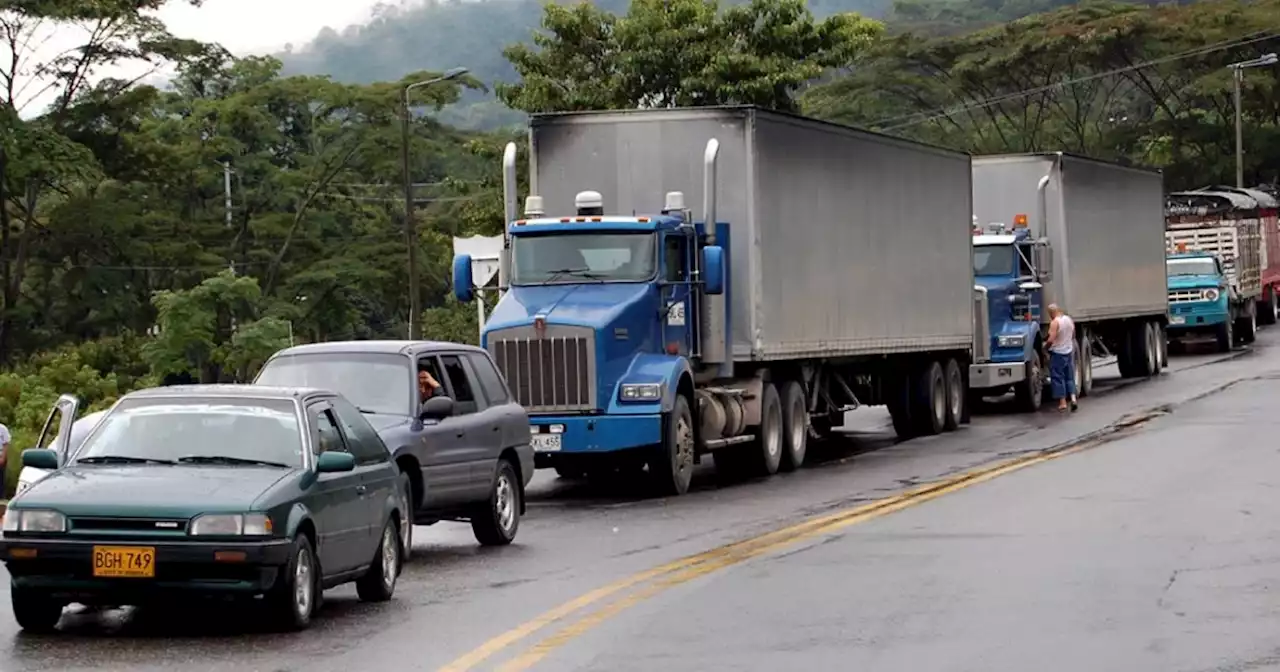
(929, 404)
(1162, 338)
(1030, 392)
(1141, 354)
(898, 401)
(1085, 348)
(795, 426)
(764, 455)
(956, 395)
(1153, 335)
(1248, 328)
(1267, 307)
(1225, 335)
(1124, 354)
(673, 464)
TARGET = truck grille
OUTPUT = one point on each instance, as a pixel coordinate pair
(1186, 295)
(554, 371)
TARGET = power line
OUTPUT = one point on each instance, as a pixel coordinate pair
(1258, 36)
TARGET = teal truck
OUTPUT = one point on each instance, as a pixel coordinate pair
(1214, 267)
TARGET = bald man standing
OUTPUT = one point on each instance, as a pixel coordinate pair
(1062, 347)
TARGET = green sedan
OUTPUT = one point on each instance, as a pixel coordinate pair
(234, 491)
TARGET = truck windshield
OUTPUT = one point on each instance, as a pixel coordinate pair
(373, 382)
(1200, 266)
(573, 257)
(993, 260)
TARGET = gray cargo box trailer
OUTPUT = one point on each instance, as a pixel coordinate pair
(844, 242)
(1102, 226)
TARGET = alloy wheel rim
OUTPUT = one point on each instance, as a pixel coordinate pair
(390, 557)
(953, 389)
(684, 445)
(406, 521)
(506, 502)
(773, 438)
(798, 425)
(303, 585)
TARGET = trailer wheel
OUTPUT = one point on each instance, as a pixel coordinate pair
(1030, 392)
(929, 404)
(955, 389)
(1249, 326)
(1153, 334)
(795, 426)
(897, 399)
(1141, 356)
(1268, 307)
(1225, 335)
(1162, 339)
(673, 465)
(1085, 348)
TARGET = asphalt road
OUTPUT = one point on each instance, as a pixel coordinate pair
(1067, 558)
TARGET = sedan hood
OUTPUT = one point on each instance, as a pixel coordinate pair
(179, 491)
(384, 421)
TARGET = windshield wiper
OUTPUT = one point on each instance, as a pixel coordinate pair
(366, 411)
(224, 459)
(578, 272)
(121, 459)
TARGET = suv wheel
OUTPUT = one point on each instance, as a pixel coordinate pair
(496, 521)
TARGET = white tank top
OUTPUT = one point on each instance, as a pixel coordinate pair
(1065, 343)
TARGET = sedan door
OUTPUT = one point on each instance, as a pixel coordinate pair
(378, 473)
(337, 500)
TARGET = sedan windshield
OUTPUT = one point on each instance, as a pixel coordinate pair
(579, 257)
(196, 430)
(373, 382)
(1201, 266)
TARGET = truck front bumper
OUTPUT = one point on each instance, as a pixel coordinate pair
(592, 433)
(1187, 318)
(996, 374)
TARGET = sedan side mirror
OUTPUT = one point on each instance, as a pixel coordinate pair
(436, 408)
(333, 461)
(40, 458)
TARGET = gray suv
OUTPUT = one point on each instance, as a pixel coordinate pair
(459, 437)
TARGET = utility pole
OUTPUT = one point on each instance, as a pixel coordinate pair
(226, 188)
(1237, 72)
(410, 230)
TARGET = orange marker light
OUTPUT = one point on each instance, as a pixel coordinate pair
(1019, 220)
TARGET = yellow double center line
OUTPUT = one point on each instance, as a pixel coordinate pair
(689, 568)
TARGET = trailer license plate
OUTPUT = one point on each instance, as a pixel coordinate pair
(124, 561)
(546, 443)
(1177, 319)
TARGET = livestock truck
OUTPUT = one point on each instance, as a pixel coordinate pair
(827, 271)
(1084, 234)
(1225, 227)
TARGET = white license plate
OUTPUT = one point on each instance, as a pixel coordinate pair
(545, 443)
(1177, 319)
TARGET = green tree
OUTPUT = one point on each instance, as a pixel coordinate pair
(668, 53)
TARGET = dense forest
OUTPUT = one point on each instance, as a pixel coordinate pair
(124, 264)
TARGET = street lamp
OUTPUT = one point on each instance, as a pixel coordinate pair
(1237, 70)
(410, 232)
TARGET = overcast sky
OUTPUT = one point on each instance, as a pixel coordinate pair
(242, 26)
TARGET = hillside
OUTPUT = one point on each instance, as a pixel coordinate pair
(440, 35)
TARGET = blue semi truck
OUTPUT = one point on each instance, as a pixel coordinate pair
(1084, 234)
(828, 270)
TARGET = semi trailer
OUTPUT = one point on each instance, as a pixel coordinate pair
(1084, 234)
(828, 269)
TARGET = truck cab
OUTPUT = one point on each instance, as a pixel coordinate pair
(1005, 273)
(1199, 297)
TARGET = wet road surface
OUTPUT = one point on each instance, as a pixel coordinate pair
(578, 537)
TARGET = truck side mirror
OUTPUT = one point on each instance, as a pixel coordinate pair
(1030, 286)
(713, 269)
(463, 283)
(1043, 259)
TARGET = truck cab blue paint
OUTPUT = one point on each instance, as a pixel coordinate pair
(1002, 280)
(638, 340)
(1190, 303)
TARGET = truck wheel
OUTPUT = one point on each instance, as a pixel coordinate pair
(955, 390)
(1140, 351)
(1030, 392)
(1225, 336)
(795, 426)
(929, 404)
(36, 612)
(1249, 327)
(1267, 308)
(673, 464)
(1162, 339)
(766, 451)
(1153, 335)
(1084, 347)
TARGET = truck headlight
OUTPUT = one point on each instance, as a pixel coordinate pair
(231, 525)
(34, 520)
(1011, 341)
(1211, 295)
(640, 392)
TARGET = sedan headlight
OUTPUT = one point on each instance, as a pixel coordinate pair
(1011, 341)
(1211, 295)
(640, 392)
(231, 525)
(34, 520)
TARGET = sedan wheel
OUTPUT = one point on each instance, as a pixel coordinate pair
(379, 583)
(292, 600)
